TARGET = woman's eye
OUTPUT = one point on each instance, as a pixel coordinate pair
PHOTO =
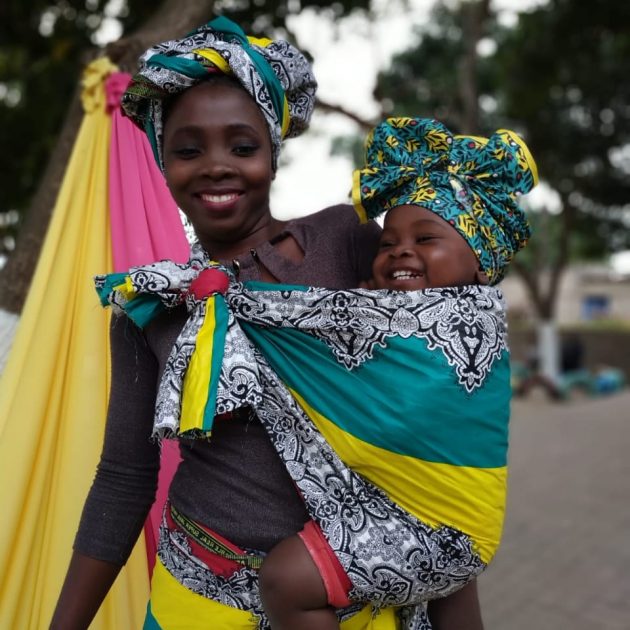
(185, 153)
(245, 150)
(385, 244)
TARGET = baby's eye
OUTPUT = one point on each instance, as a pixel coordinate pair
(424, 238)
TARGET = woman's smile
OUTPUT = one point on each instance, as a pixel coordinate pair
(220, 202)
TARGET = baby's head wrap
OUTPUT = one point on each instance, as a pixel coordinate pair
(275, 74)
(471, 182)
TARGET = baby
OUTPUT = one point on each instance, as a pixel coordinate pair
(451, 220)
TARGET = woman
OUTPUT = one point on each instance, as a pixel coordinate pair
(216, 107)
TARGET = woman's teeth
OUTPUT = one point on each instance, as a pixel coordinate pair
(219, 198)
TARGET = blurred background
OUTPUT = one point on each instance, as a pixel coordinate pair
(555, 71)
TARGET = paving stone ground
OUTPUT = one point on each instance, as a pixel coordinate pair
(564, 562)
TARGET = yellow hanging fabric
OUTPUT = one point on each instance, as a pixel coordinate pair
(53, 395)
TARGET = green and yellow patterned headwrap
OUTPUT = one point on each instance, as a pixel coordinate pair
(471, 182)
(274, 73)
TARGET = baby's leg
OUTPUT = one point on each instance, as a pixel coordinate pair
(292, 590)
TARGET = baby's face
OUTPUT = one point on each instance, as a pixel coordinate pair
(420, 250)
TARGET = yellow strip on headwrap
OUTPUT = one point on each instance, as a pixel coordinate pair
(286, 116)
(215, 58)
(224, 66)
(263, 42)
(356, 196)
(527, 154)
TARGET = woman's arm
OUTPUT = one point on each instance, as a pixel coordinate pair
(125, 482)
(85, 587)
(459, 611)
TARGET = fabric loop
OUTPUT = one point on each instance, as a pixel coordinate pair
(92, 94)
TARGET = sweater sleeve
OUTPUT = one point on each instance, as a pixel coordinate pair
(124, 487)
(364, 240)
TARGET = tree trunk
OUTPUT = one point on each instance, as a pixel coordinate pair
(474, 15)
(548, 349)
(173, 18)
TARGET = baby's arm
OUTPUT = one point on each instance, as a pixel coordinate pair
(292, 590)
(458, 611)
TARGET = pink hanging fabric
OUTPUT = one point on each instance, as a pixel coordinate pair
(146, 227)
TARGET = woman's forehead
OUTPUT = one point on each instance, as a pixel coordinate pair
(217, 104)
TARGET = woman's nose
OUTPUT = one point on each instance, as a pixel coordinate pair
(217, 166)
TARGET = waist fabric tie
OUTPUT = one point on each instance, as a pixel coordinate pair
(219, 554)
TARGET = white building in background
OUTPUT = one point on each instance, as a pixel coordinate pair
(588, 292)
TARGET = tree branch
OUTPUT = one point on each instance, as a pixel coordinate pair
(474, 15)
(364, 123)
(530, 279)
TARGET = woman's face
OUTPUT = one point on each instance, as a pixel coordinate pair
(217, 161)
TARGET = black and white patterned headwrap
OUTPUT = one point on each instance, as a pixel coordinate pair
(276, 75)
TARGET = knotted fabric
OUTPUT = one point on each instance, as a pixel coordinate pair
(471, 182)
(275, 74)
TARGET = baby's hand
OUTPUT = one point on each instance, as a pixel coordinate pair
(367, 284)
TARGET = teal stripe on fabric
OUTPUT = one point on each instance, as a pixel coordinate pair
(141, 309)
(111, 280)
(406, 399)
(187, 67)
(149, 129)
(259, 285)
(274, 87)
(150, 622)
(218, 347)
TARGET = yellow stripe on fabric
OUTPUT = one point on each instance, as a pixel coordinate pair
(469, 499)
(356, 196)
(174, 607)
(199, 373)
(126, 289)
(215, 58)
(177, 608)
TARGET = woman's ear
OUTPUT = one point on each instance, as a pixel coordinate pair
(481, 277)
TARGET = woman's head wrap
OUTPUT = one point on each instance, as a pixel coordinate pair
(471, 182)
(275, 74)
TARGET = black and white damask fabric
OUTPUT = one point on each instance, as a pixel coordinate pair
(467, 324)
(391, 558)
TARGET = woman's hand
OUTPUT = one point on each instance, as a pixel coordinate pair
(84, 589)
